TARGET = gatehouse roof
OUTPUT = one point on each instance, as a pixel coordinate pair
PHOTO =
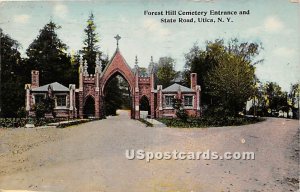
(54, 86)
(175, 87)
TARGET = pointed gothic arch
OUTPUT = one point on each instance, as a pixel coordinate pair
(109, 109)
(112, 75)
(118, 65)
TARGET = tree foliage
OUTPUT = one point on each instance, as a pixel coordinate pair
(231, 83)
(202, 61)
(47, 53)
(271, 99)
(113, 97)
(225, 72)
(179, 109)
(12, 76)
(295, 99)
(166, 71)
(90, 48)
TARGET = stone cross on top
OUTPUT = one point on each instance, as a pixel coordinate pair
(117, 37)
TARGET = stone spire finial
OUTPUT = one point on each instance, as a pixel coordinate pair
(136, 66)
(151, 66)
(98, 64)
(85, 67)
(97, 59)
(80, 64)
(117, 37)
(136, 60)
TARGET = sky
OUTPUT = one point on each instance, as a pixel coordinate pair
(273, 23)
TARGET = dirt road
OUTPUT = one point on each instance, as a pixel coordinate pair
(91, 157)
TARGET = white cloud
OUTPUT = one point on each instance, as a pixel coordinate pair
(273, 24)
(60, 10)
(156, 27)
(22, 19)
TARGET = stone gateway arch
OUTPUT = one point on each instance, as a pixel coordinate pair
(93, 85)
(88, 100)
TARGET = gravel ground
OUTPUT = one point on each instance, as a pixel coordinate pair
(91, 157)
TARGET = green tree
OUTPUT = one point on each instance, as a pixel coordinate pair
(271, 99)
(261, 101)
(277, 99)
(202, 61)
(40, 110)
(231, 83)
(295, 97)
(166, 72)
(179, 110)
(47, 53)
(12, 82)
(90, 48)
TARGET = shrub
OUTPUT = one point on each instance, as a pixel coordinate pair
(210, 121)
(40, 110)
(21, 113)
(180, 112)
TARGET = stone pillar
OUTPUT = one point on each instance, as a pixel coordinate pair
(198, 100)
(71, 98)
(152, 95)
(136, 99)
(80, 74)
(97, 88)
(27, 98)
(80, 90)
(136, 102)
(193, 81)
(97, 104)
(35, 80)
(159, 101)
(72, 107)
(80, 110)
(85, 69)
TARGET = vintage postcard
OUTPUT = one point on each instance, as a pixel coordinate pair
(148, 96)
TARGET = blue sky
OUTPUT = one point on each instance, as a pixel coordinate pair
(274, 23)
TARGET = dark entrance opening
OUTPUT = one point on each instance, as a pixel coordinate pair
(89, 107)
(145, 109)
(117, 95)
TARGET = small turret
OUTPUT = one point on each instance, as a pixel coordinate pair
(98, 64)
(136, 66)
(80, 64)
(85, 67)
(151, 67)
